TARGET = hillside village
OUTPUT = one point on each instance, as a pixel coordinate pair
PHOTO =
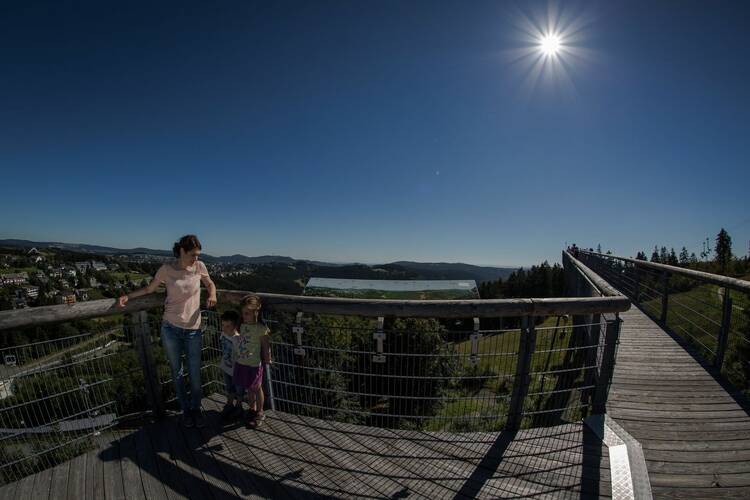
(30, 278)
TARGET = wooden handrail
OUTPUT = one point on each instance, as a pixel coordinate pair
(610, 302)
(604, 288)
(490, 308)
(724, 281)
(80, 310)
(333, 305)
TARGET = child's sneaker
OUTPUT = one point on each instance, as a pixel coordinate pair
(227, 412)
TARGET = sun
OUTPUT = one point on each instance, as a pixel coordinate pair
(550, 44)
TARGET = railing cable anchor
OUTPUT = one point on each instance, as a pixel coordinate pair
(298, 330)
(475, 336)
(379, 337)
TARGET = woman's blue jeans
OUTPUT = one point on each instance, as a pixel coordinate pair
(177, 341)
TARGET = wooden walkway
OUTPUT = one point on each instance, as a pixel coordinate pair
(294, 457)
(695, 436)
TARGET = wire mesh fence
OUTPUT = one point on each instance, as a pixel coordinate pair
(56, 397)
(736, 366)
(426, 374)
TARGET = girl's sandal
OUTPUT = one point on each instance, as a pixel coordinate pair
(259, 419)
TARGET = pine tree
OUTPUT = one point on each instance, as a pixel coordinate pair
(693, 258)
(672, 260)
(655, 255)
(684, 258)
(599, 248)
(663, 255)
(723, 249)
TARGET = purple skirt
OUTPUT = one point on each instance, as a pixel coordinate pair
(248, 377)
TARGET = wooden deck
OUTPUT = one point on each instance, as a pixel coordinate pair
(293, 457)
(695, 435)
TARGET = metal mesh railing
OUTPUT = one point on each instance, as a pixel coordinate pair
(60, 397)
(56, 397)
(423, 374)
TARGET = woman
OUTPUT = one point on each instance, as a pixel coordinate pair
(180, 328)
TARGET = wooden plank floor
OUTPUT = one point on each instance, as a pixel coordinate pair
(695, 436)
(295, 457)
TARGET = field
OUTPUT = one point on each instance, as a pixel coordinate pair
(498, 358)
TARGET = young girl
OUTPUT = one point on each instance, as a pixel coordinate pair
(253, 351)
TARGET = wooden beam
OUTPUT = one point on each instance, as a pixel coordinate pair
(491, 308)
(79, 310)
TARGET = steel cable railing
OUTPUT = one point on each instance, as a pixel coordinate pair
(709, 312)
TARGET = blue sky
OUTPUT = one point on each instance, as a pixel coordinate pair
(371, 132)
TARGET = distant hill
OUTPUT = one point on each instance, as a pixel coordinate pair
(101, 250)
(82, 247)
(456, 271)
(244, 259)
(393, 270)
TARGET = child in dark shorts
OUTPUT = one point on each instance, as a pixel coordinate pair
(253, 350)
(228, 341)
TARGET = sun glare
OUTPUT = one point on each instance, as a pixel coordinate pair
(550, 44)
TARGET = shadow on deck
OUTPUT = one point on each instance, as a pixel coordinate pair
(298, 457)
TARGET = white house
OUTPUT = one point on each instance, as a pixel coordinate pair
(98, 266)
(14, 278)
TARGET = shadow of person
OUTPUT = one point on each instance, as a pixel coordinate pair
(194, 464)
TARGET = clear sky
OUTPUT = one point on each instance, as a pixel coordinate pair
(376, 131)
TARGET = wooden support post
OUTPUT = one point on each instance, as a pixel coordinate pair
(142, 340)
(726, 321)
(522, 379)
(601, 391)
(664, 297)
(592, 354)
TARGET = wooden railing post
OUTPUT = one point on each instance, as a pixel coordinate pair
(522, 379)
(142, 339)
(601, 391)
(726, 321)
(664, 297)
(592, 339)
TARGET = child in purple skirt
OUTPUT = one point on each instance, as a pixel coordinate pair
(253, 351)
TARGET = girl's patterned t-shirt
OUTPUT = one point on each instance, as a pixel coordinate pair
(249, 344)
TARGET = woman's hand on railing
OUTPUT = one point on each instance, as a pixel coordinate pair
(122, 301)
(211, 301)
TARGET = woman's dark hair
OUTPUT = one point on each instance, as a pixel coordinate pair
(187, 243)
(231, 316)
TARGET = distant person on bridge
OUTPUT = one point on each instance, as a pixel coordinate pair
(180, 328)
